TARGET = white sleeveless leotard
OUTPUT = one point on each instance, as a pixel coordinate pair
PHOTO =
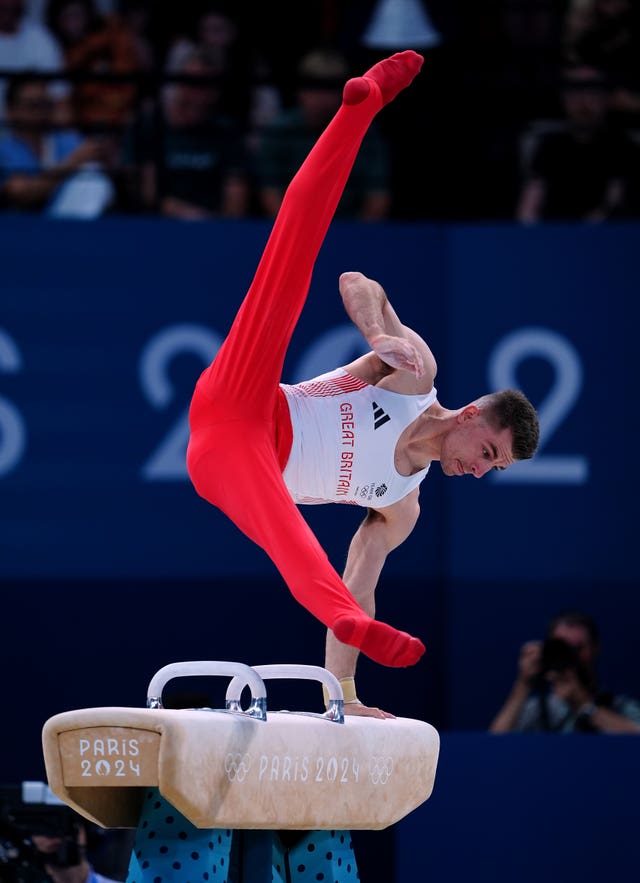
(345, 433)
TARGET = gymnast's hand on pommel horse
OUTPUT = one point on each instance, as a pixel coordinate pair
(373, 423)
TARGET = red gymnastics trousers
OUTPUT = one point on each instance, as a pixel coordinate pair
(239, 421)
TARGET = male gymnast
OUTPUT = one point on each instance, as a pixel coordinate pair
(315, 442)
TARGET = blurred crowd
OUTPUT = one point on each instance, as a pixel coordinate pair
(526, 110)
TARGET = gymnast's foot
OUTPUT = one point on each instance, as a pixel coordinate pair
(391, 74)
(379, 641)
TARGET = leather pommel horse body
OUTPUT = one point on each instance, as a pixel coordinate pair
(237, 769)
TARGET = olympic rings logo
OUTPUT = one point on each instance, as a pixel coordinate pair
(237, 766)
(380, 769)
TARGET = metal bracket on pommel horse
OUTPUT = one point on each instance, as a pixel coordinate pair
(239, 795)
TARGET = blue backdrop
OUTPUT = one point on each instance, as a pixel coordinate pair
(112, 566)
(525, 808)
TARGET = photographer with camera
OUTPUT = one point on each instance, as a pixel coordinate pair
(556, 688)
(65, 858)
(45, 842)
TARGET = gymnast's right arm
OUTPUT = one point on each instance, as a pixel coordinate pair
(381, 531)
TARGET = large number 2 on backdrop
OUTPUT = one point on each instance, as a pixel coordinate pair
(507, 355)
(167, 463)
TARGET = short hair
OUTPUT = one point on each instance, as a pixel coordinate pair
(511, 409)
(579, 618)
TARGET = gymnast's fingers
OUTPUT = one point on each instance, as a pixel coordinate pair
(357, 709)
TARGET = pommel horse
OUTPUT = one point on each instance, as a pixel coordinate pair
(239, 795)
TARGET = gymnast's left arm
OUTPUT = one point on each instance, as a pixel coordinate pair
(381, 531)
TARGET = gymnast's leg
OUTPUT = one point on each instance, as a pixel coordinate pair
(251, 358)
(232, 413)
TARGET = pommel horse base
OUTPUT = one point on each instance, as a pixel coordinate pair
(239, 795)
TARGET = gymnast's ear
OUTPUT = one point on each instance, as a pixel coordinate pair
(468, 413)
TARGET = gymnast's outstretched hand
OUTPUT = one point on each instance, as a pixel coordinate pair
(357, 709)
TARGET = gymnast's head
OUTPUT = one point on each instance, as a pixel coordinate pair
(492, 432)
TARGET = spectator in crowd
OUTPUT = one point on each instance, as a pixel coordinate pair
(190, 155)
(102, 45)
(556, 689)
(248, 94)
(578, 169)
(215, 31)
(40, 165)
(606, 35)
(65, 857)
(286, 141)
(26, 45)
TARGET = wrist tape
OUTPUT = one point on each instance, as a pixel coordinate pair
(348, 690)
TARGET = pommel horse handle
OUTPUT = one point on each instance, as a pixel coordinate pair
(236, 670)
(335, 711)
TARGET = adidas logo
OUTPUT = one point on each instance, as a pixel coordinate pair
(380, 417)
(381, 489)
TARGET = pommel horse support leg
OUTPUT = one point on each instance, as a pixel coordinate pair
(239, 795)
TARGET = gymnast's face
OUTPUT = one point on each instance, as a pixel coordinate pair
(473, 446)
